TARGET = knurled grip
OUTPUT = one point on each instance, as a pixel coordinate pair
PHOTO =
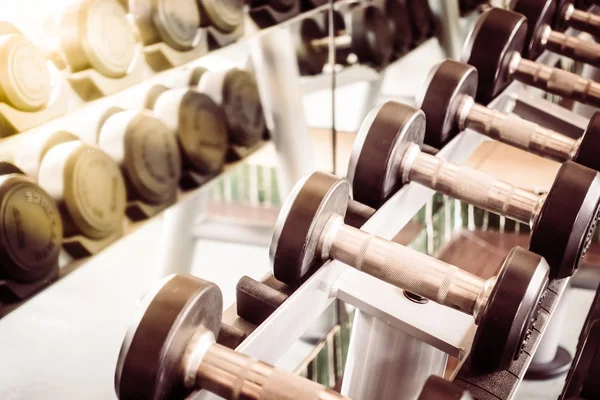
(407, 269)
(518, 132)
(586, 22)
(283, 385)
(474, 187)
(558, 81)
(575, 48)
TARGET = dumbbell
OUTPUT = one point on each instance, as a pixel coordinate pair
(31, 228)
(540, 36)
(24, 77)
(96, 34)
(279, 5)
(386, 155)
(365, 33)
(421, 19)
(86, 183)
(494, 47)
(448, 101)
(310, 229)
(236, 91)
(199, 125)
(399, 24)
(225, 15)
(170, 351)
(437, 388)
(147, 152)
(568, 16)
(174, 22)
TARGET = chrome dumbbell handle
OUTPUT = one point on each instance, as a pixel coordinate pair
(515, 131)
(471, 186)
(343, 41)
(582, 20)
(236, 376)
(571, 46)
(404, 267)
(555, 81)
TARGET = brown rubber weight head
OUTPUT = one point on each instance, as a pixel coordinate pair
(150, 361)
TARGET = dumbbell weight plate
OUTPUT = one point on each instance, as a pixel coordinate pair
(302, 218)
(422, 19)
(31, 234)
(371, 37)
(442, 93)
(97, 34)
(400, 26)
(243, 108)
(154, 347)
(587, 154)
(510, 311)
(24, 75)
(378, 151)
(494, 38)
(568, 218)
(225, 15)
(311, 60)
(538, 14)
(174, 22)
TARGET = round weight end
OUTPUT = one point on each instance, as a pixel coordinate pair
(31, 228)
(152, 160)
(225, 15)
(539, 14)
(311, 60)
(382, 140)
(371, 37)
(294, 247)
(96, 206)
(567, 221)
(443, 91)
(587, 154)
(108, 39)
(202, 132)
(510, 311)
(496, 36)
(243, 108)
(177, 22)
(150, 361)
(24, 74)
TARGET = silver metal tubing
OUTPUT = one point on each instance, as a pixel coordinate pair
(582, 20)
(555, 81)
(406, 268)
(473, 187)
(572, 47)
(343, 41)
(515, 131)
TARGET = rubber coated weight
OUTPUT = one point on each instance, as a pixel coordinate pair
(149, 365)
(174, 22)
(437, 388)
(587, 154)
(568, 219)
(243, 108)
(378, 149)
(539, 13)
(422, 20)
(225, 15)
(399, 25)
(442, 92)
(30, 227)
(300, 223)
(496, 36)
(371, 36)
(311, 59)
(510, 311)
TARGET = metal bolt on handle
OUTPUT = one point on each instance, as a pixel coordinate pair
(555, 81)
(405, 268)
(235, 376)
(471, 186)
(516, 131)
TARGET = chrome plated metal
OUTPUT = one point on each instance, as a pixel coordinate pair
(343, 41)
